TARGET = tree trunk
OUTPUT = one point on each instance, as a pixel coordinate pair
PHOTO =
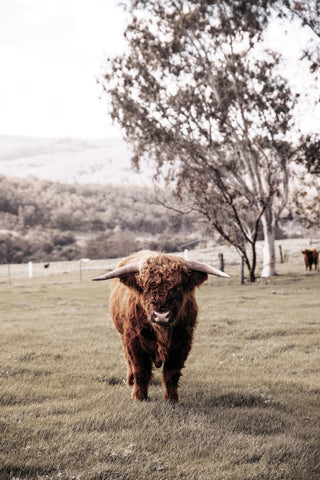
(269, 250)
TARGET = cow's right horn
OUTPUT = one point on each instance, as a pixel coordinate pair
(203, 267)
(119, 272)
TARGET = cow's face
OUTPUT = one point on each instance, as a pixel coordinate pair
(162, 303)
(162, 288)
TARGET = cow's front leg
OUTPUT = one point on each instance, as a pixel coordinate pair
(171, 381)
(140, 372)
(175, 363)
(130, 376)
(142, 377)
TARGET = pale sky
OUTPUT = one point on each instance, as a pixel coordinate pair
(51, 53)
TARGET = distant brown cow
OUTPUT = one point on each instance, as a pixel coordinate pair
(311, 258)
(154, 309)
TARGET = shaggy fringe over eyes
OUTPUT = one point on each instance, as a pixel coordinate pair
(158, 271)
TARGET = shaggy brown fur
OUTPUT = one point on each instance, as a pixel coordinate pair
(311, 258)
(163, 284)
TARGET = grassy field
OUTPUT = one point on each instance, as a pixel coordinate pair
(250, 390)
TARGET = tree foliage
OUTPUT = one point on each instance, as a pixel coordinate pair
(308, 12)
(305, 196)
(38, 246)
(28, 203)
(194, 92)
(309, 154)
(42, 221)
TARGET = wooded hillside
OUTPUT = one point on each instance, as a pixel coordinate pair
(42, 220)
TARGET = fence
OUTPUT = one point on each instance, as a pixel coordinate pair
(14, 273)
(288, 251)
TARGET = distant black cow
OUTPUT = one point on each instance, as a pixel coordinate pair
(311, 257)
(46, 265)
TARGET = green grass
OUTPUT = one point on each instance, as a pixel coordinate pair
(250, 390)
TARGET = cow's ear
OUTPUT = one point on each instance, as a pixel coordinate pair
(130, 280)
(195, 279)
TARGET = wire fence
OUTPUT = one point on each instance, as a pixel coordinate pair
(13, 273)
(287, 250)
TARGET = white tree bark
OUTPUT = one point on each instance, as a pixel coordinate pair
(269, 250)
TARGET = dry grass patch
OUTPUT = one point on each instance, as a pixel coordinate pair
(250, 390)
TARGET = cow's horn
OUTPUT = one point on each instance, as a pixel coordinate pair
(119, 272)
(203, 267)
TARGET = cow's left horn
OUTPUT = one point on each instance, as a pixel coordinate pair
(119, 272)
(203, 267)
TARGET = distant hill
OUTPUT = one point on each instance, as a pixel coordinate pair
(71, 160)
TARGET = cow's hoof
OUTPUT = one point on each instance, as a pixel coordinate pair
(172, 399)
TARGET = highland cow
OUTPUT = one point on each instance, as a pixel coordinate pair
(310, 258)
(154, 309)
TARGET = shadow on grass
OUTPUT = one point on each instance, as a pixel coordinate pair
(113, 380)
(237, 399)
(238, 411)
(25, 472)
(204, 399)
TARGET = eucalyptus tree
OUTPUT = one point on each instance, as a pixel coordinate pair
(196, 92)
(308, 11)
(306, 191)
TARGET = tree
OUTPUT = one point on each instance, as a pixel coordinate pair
(305, 202)
(308, 11)
(194, 93)
(306, 195)
(118, 244)
(309, 154)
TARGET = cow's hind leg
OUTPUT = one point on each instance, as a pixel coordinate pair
(130, 376)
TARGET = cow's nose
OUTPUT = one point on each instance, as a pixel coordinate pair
(161, 317)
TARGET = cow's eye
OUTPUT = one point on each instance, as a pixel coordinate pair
(177, 290)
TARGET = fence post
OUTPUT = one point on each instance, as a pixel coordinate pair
(242, 271)
(30, 269)
(9, 274)
(80, 264)
(281, 255)
(221, 262)
(84, 260)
